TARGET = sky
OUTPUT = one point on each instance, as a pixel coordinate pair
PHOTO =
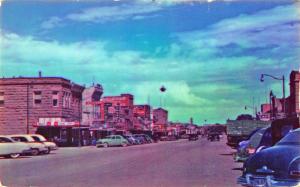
(208, 54)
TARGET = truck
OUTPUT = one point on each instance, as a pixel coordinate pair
(239, 130)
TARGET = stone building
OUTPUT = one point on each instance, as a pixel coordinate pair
(27, 103)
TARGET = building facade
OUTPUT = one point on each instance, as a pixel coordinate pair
(142, 117)
(90, 105)
(294, 99)
(160, 119)
(117, 112)
(29, 103)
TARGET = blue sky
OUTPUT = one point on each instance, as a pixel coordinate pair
(209, 55)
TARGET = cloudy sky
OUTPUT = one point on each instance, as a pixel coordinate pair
(209, 55)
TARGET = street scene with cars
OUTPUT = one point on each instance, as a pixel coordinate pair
(158, 93)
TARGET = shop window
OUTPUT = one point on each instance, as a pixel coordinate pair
(1, 99)
(37, 97)
(55, 98)
(67, 100)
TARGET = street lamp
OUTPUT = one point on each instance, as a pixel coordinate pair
(283, 86)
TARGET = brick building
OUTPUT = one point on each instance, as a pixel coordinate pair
(90, 105)
(117, 112)
(294, 99)
(142, 117)
(29, 103)
(160, 119)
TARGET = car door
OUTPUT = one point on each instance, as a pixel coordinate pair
(113, 140)
(5, 146)
(118, 140)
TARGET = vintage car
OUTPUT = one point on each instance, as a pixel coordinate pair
(112, 140)
(12, 149)
(275, 166)
(50, 145)
(36, 147)
(193, 137)
(261, 139)
(213, 136)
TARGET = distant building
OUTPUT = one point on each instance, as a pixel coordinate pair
(141, 117)
(27, 104)
(160, 119)
(294, 99)
(117, 112)
(90, 105)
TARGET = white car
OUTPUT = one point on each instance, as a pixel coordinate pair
(9, 148)
(39, 138)
(36, 147)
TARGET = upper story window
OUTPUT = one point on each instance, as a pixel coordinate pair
(37, 97)
(67, 100)
(1, 99)
(55, 98)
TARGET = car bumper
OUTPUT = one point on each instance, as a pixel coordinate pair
(270, 181)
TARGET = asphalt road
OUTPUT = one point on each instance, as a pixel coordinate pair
(165, 164)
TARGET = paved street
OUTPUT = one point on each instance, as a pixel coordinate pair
(178, 163)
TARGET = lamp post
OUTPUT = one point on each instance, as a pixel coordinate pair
(283, 86)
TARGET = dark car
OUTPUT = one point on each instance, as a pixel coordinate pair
(261, 139)
(213, 136)
(140, 138)
(275, 166)
(132, 140)
(193, 137)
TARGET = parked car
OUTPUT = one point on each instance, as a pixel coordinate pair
(112, 140)
(50, 145)
(261, 139)
(193, 137)
(275, 166)
(148, 138)
(36, 147)
(140, 138)
(184, 136)
(132, 140)
(9, 148)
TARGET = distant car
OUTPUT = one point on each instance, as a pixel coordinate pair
(148, 138)
(261, 139)
(275, 166)
(184, 136)
(36, 147)
(9, 148)
(132, 140)
(213, 137)
(112, 140)
(142, 139)
(193, 137)
(50, 145)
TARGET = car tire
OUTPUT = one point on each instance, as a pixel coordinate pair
(35, 152)
(48, 151)
(14, 155)
(105, 145)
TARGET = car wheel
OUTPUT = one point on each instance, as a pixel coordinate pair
(105, 145)
(16, 155)
(35, 152)
(48, 151)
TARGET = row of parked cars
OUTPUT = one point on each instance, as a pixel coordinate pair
(271, 155)
(124, 140)
(12, 146)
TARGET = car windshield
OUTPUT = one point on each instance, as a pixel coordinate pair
(292, 138)
(6, 140)
(256, 138)
(39, 138)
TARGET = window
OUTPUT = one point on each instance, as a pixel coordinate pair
(55, 98)
(1, 99)
(5, 140)
(67, 100)
(37, 97)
